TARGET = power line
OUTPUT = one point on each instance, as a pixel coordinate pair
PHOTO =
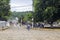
(21, 6)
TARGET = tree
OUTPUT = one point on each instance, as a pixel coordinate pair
(39, 6)
(28, 17)
(46, 10)
(51, 12)
(4, 9)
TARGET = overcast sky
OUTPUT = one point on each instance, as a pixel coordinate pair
(21, 5)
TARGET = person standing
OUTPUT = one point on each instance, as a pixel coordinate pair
(28, 25)
(18, 26)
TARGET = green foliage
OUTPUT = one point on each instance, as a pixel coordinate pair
(49, 12)
(39, 7)
(28, 17)
(22, 15)
(19, 14)
(46, 10)
(4, 9)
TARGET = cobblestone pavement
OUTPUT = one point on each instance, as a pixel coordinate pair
(21, 33)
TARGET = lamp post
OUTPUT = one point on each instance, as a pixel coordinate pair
(32, 22)
(21, 21)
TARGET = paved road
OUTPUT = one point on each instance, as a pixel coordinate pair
(22, 33)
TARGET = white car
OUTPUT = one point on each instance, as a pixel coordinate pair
(47, 25)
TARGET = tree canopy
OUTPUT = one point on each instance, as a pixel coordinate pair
(46, 10)
(25, 16)
(4, 9)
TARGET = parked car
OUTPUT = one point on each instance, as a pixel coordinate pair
(38, 25)
(47, 25)
(55, 24)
